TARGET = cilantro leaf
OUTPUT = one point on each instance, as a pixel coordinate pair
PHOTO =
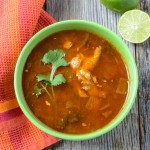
(42, 77)
(60, 62)
(37, 90)
(56, 58)
(58, 79)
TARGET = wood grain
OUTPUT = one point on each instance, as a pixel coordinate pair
(134, 132)
(143, 63)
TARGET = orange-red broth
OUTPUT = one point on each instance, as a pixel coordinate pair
(86, 116)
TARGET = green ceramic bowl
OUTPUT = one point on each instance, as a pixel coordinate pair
(98, 30)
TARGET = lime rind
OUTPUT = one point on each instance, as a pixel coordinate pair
(120, 6)
(134, 26)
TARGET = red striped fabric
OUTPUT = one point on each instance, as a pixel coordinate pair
(20, 19)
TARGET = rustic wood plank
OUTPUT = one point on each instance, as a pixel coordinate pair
(126, 135)
(143, 62)
(143, 57)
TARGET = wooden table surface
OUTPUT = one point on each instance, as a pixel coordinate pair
(134, 132)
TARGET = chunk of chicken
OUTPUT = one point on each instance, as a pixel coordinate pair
(84, 75)
(83, 67)
(75, 62)
(90, 62)
(86, 63)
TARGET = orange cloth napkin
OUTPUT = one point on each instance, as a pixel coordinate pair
(19, 20)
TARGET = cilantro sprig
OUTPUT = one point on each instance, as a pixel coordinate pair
(56, 59)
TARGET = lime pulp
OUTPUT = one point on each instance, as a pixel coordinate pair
(134, 26)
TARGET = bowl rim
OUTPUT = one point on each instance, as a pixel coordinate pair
(19, 71)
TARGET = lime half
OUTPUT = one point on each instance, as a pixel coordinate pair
(120, 5)
(134, 26)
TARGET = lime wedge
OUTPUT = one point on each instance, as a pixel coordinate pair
(120, 5)
(134, 26)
